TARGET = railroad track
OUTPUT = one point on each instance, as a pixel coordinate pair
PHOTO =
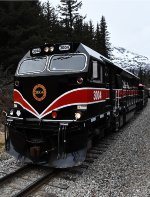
(19, 183)
(25, 182)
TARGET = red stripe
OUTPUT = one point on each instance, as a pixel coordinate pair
(19, 99)
(124, 93)
(79, 96)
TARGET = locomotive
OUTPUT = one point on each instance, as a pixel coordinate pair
(65, 95)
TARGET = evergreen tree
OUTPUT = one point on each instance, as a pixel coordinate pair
(28, 24)
(105, 48)
(21, 28)
(78, 30)
(91, 34)
(52, 26)
(88, 32)
(69, 13)
(85, 30)
(97, 38)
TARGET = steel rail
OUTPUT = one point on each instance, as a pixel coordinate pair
(12, 174)
(36, 184)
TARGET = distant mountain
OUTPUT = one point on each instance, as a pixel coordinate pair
(129, 60)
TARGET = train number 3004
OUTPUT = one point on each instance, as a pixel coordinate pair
(97, 95)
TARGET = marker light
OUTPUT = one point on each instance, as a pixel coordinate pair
(54, 114)
(77, 115)
(80, 80)
(46, 49)
(18, 112)
(141, 85)
(17, 83)
(15, 105)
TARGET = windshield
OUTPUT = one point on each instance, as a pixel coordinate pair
(33, 65)
(67, 62)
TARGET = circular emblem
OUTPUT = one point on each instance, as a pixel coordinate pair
(39, 92)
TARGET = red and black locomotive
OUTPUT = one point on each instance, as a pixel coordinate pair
(64, 95)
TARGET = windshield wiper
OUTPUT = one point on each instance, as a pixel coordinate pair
(62, 58)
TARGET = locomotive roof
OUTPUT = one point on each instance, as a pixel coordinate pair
(97, 55)
(61, 48)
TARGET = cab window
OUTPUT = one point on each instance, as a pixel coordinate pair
(32, 65)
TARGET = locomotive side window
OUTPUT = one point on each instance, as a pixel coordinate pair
(97, 71)
(101, 73)
(68, 62)
(34, 65)
(125, 84)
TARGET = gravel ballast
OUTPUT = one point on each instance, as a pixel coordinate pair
(123, 170)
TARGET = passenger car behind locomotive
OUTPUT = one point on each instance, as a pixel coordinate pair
(64, 95)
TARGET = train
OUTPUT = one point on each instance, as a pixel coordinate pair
(65, 96)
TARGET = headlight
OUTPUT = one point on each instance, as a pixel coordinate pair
(46, 49)
(51, 49)
(18, 113)
(77, 115)
(11, 112)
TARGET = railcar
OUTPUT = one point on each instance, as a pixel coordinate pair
(64, 96)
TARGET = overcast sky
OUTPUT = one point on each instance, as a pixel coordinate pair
(128, 21)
